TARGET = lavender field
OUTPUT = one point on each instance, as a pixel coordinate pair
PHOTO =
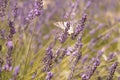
(59, 39)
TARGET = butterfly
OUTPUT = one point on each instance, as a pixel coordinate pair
(63, 25)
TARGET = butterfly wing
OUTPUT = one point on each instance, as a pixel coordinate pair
(62, 25)
(70, 31)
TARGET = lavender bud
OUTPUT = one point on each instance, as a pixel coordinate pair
(15, 14)
(10, 45)
(88, 74)
(87, 6)
(49, 75)
(80, 27)
(3, 5)
(38, 5)
(34, 75)
(63, 53)
(48, 59)
(112, 70)
(7, 67)
(97, 62)
(12, 29)
(16, 70)
(64, 35)
(111, 56)
(100, 53)
(84, 58)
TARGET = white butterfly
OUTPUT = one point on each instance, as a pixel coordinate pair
(63, 25)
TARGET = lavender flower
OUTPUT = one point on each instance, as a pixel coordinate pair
(38, 6)
(73, 9)
(77, 54)
(12, 29)
(94, 41)
(64, 35)
(112, 71)
(80, 27)
(100, 53)
(3, 5)
(111, 56)
(73, 65)
(87, 75)
(57, 54)
(77, 46)
(2, 34)
(15, 72)
(84, 58)
(64, 51)
(8, 65)
(9, 45)
(88, 4)
(100, 26)
(15, 12)
(34, 75)
(49, 75)
(107, 36)
(48, 59)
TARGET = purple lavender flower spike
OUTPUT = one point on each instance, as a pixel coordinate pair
(49, 75)
(112, 71)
